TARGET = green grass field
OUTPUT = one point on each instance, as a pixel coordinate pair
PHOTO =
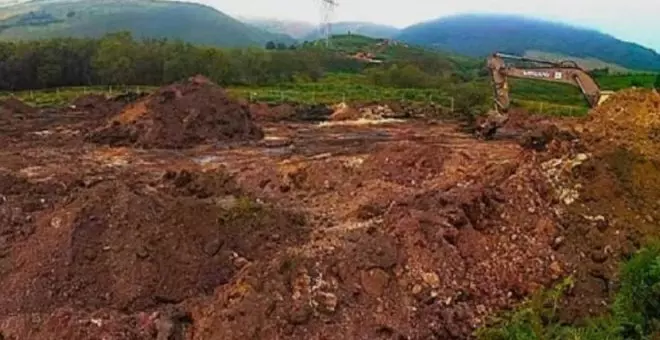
(535, 96)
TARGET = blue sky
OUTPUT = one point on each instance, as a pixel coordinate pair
(631, 20)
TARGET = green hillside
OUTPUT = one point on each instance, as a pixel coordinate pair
(359, 28)
(479, 35)
(306, 31)
(189, 22)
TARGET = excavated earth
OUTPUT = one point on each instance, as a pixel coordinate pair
(403, 230)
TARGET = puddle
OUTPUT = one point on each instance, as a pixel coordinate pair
(362, 121)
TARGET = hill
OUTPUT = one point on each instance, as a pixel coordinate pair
(292, 28)
(190, 22)
(358, 28)
(479, 35)
(393, 51)
(302, 30)
(588, 63)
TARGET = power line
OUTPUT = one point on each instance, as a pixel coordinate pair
(327, 10)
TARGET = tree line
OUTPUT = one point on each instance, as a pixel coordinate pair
(119, 59)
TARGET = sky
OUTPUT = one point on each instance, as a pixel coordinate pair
(630, 20)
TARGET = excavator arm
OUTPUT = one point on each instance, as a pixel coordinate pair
(566, 72)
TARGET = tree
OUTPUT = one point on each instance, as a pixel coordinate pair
(656, 84)
(281, 46)
(636, 83)
(270, 45)
(114, 59)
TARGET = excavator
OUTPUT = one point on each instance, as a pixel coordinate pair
(567, 72)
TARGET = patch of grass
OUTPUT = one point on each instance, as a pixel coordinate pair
(635, 313)
(534, 319)
(637, 306)
(551, 109)
(65, 96)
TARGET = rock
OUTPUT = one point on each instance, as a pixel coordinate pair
(240, 262)
(557, 242)
(326, 302)
(417, 289)
(598, 256)
(164, 328)
(450, 235)
(212, 247)
(142, 253)
(227, 203)
(602, 224)
(431, 279)
(90, 254)
(299, 314)
(374, 281)
(56, 222)
(555, 268)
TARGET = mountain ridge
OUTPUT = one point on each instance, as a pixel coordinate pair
(480, 34)
(187, 21)
(303, 30)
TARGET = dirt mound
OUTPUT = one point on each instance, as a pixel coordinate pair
(13, 105)
(178, 116)
(137, 242)
(343, 111)
(419, 264)
(273, 113)
(630, 119)
(89, 101)
(420, 161)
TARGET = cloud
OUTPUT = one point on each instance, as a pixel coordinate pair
(632, 20)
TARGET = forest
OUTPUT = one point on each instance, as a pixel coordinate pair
(119, 59)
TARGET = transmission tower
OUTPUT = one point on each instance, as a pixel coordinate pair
(327, 10)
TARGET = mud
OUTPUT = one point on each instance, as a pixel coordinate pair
(179, 116)
(12, 108)
(405, 230)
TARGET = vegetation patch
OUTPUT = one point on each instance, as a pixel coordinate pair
(635, 313)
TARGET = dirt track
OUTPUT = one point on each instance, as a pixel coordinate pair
(403, 230)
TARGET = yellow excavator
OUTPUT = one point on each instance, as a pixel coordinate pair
(567, 72)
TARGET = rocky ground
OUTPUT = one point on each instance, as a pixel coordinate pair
(115, 223)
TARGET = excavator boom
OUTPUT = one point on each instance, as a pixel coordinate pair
(566, 72)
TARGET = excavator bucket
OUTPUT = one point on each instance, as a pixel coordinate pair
(604, 95)
(493, 121)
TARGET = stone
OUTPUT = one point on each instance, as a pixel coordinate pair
(326, 302)
(56, 222)
(450, 235)
(557, 242)
(374, 281)
(89, 253)
(240, 262)
(142, 252)
(599, 256)
(417, 289)
(299, 314)
(212, 247)
(431, 279)
(555, 268)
